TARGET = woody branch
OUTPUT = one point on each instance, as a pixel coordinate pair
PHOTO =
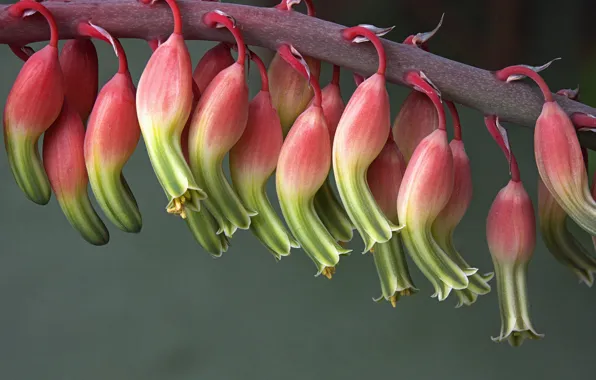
(519, 103)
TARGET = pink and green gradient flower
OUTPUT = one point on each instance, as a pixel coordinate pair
(64, 161)
(360, 136)
(328, 206)
(215, 60)
(384, 178)
(252, 162)
(511, 237)
(216, 126)
(164, 101)
(33, 104)
(457, 205)
(302, 168)
(112, 136)
(78, 60)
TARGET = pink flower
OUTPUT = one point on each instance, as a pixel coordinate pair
(78, 60)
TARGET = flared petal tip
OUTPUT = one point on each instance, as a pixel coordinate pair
(327, 272)
(516, 338)
(396, 296)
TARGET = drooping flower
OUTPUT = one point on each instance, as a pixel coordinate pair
(425, 191)
(215, 60)
(302, 168)
(112, 136)
(360, 136)
(216, 126)
(253, 160)
(78, 60)
(164, 101)
(328, 206)
(33, 104)
(511, 237)
(64, 161)
(457, 205)
(384, 180)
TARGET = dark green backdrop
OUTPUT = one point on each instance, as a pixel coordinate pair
(156, 306)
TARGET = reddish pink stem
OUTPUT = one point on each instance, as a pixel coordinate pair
(582, 120)
(456, 121)
(353, 32)
(211, 19)
(18, 9)
(491, 125)
(20, 53)
(336, 74)
(505, 73)
(87, 30)
(414, 79)
(262, 70)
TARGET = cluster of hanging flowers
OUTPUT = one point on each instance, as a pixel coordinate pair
(403, 188)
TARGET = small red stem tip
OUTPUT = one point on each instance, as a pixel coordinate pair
(175, 11)
(310, 8)
(582, 120)
(213, 18)
(505, 73)
(455, 118)
(19, 8)
(21, 53)
(353, 32)
(491, 125)
(262, 70)
(297, 62)
(85, 29)
(336, 74)
(414, 79)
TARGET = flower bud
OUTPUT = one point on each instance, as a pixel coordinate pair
(384, 179)
(164, 101)
(252, 161)
(511, 236)
(78, 60)
(64, 161)
(215, 60)
(33, 104)
(559, 240)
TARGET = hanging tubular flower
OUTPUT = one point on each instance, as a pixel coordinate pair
(112, 136)
(78, 60)
(328, 206)
(215, 60)
(164, 101)
(384, 179)
(425, 191)
(253, 160)
(511, 237)
(302, 168)
(290, 92)
(454, 211)
(217, 124)
(559, 154)
(33, 104)
(360, 136)
(64, 161)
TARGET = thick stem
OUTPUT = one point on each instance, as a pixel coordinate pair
(175, 11)
(18, 9)
(414, 79)
(491, 125)
(351, 33)
(262, 70)
(212, 19)
(455, 118)
(505, 73)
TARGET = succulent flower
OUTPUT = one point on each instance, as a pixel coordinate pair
(416, 119)
(78, 60)
(253, 160)
(215, 60)
(302, 168)
(64, 161)
(112, 136)
(164, 101)
(360, 136)
(33, 104)
(216, 126)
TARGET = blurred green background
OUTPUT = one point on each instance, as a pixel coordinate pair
(156, 306)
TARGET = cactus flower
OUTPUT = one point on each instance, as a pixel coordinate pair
(78, 60)
(64, 161)
(302, 168)
(164, 102)
(33, 104)
(384, 179)
(328, 206)
(559, 154)
(112, 135)
(360, 136)
(416, 119)
(216, 126)
(215, 60)
(253, 160)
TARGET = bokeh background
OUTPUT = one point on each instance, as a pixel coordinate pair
(156, 306)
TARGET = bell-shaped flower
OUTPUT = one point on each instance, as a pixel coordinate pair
(253, 160)
(384, 180)
(215, 60)
(216, 126)
(64, 161)
(302, 168)
(164, 101)
(78, 59)
(33, 104)
(360, 136)
(416, 119)
(112, 136)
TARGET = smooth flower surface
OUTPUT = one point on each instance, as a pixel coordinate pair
(78, 59)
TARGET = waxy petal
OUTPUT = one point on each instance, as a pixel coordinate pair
(78, 60)
(332, 213)
(215, 60)
(204, 229)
